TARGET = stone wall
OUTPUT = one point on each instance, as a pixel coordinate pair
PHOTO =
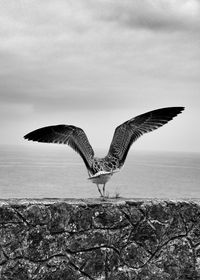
(95, 239)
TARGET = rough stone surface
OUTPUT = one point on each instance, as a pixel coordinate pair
(95, 239)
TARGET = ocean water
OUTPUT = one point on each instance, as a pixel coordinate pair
(50, 171)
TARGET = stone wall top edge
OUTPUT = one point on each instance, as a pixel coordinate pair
(90, 201)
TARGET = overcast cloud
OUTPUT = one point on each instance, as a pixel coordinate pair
(97, 63)
(168, 15)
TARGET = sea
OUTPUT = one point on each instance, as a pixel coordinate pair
(55, 171)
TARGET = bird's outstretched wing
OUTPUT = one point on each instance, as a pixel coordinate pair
(71, 135)
(128, 132)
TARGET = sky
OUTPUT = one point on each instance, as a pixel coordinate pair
(96, 64)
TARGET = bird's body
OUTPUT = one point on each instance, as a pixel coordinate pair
(106, 164)
(100, 170)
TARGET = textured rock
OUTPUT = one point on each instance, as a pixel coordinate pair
(95, 239)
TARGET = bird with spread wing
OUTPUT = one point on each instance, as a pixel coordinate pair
(100, 170)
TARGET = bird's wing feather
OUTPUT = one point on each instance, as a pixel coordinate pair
(128, 132)
(71, 135)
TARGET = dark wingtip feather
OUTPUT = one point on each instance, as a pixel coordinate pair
(38, 135)
(179, 109)
(30, 136)
(42, 134)
(168, 112)
(182, 109)
(27, 137)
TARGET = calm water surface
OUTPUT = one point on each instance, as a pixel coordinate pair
(38, 171)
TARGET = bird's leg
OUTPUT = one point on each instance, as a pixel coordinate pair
(104, 189)
(99, 190)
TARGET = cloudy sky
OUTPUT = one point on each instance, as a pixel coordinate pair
(96, 64)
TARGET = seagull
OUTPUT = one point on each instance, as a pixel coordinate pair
(100, 170)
